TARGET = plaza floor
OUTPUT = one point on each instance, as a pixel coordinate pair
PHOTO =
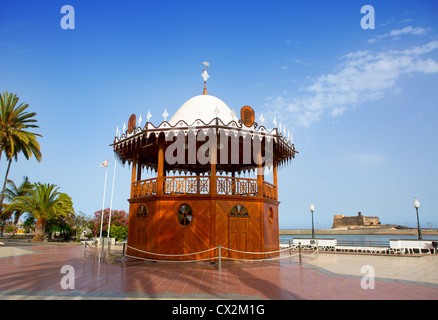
(34, 272)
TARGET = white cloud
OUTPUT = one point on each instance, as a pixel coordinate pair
(361, 76)
(408, 30)
(419, 50)
(398, 32)
(338, 111)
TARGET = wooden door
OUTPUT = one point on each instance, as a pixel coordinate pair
(238, 233)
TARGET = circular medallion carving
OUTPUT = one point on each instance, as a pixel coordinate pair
(131, 123)
(185, 215)
(247, 115)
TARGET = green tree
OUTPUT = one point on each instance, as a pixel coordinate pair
(44, 202)
(79, 222)
(12, 191)
(29, 224)
(14, 137)
(119, 232)
(59, 225)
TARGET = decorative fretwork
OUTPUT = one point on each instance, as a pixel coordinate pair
(192, 186)
(186, 185)
(144, 188)
(222, 186)
(269, 190)
(237, 186)
(204, 185)
(201, 185)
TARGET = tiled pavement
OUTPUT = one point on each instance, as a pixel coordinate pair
(34, 272)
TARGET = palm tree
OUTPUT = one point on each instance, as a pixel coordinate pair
(12, 191)
(44, 202)
(14, 139)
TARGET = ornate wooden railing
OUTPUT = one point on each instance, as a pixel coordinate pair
(187, 185)
(144, 188)
(230, 186)
(237, 186)
(269, 190)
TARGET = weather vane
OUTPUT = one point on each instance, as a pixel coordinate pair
(205, 76)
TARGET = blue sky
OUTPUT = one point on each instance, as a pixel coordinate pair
(361, 104)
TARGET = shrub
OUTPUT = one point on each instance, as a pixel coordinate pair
(119, 232)
(118, 218)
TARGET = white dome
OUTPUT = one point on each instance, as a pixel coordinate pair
(205, 108)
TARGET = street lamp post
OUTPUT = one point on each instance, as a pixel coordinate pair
(312, 207)
(417, 205)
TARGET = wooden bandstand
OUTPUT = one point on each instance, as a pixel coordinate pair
(199, 199)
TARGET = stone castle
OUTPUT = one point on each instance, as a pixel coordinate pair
(359, 221)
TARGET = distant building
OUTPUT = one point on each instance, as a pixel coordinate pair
(359, 221)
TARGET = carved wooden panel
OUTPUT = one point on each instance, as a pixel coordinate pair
(141, 229)
(238, 234)
(270, 224)
(247, 115)
(131, 123)
(175, 238)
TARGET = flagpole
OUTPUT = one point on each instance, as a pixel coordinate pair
(112, 189)
(112, 193)
(103, 201)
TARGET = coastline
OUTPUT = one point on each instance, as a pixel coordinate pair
(359, 231)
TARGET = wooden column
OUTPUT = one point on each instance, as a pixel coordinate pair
(260, 179)
(133, 174)
(213, 159)
(160, 168)
(260, 175)
(213, 193)
(138, 168)
(274, 169)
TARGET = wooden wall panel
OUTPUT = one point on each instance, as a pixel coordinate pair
(233, 235)
(271, 232)
(197, 234)
(161, 232)
(174, 238)
(170, 236)
(221, 225)
(132, 236)
(239, 236)
(255, 241)
(141, 229)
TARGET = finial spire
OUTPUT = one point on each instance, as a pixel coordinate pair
(205, 76)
